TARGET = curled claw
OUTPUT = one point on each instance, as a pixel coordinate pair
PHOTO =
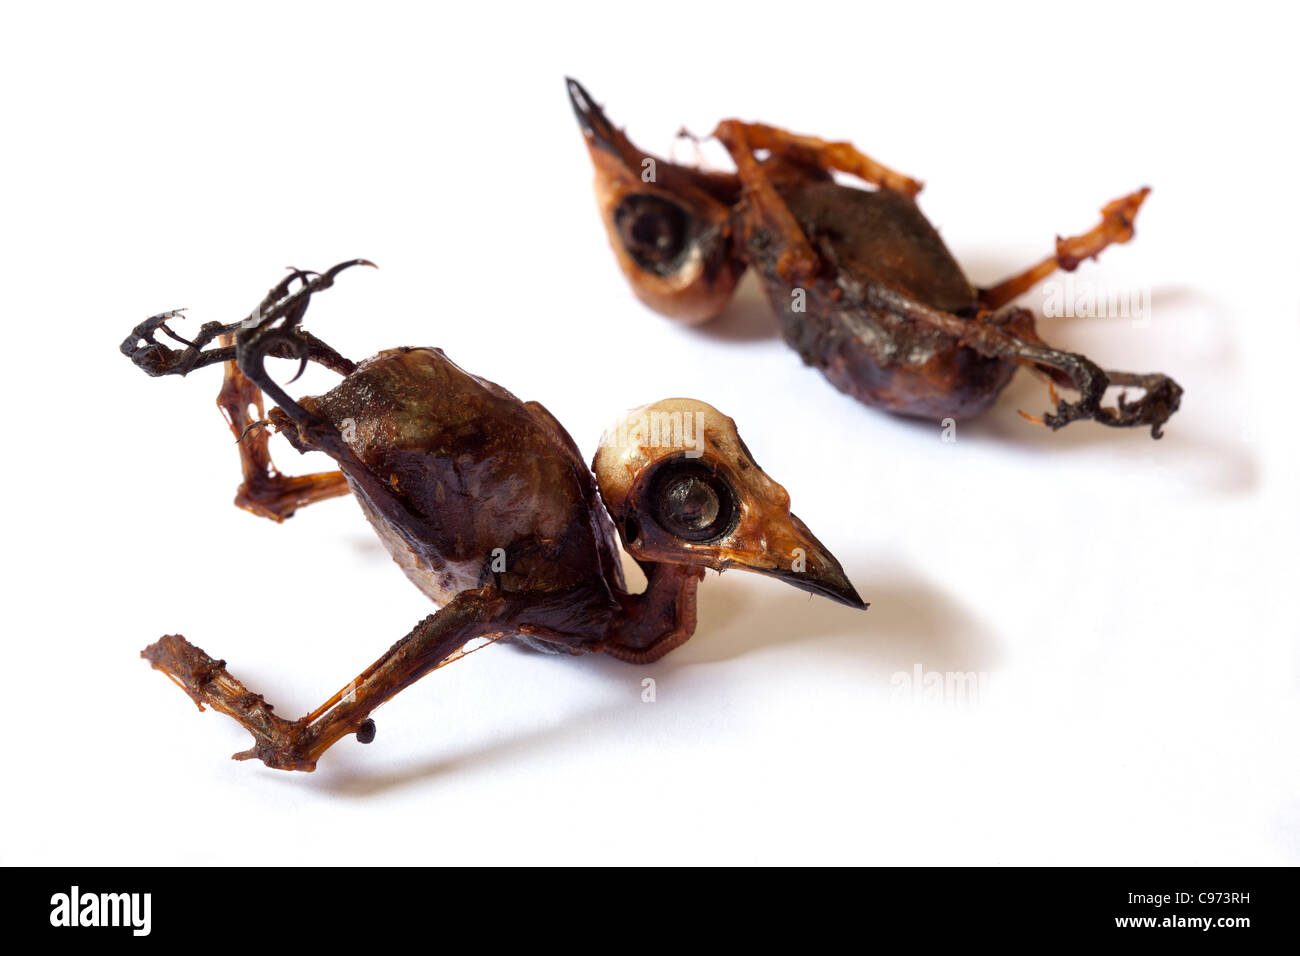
(1090, 382)
(252, 350)
(260, 423)
(159, 323)
(327, 279)
(302, 367)
(155, 359)
(254, 342)
(144, 332)
(144, 350)
(1087, 406)
(1161, 399)
(282, 341)
(323, 280)
(280, 304)
(1012, 332)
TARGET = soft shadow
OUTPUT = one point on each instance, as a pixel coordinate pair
(909, 621)
(366, 545)
(985, 271)
(1204, 461)
(351, 779)
(1195, 449)
(747, 318)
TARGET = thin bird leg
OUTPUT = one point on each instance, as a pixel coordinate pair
(840, 156)
(298, 744)
(275, 334)
(796, 262)
(1116, 226)
(265, 491)
(1010, 334)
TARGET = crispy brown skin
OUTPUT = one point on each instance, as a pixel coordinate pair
(495, 475)
(868, 351)
(887, 313)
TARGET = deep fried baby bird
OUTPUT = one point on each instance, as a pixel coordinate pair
(860, 281)
(485, 503)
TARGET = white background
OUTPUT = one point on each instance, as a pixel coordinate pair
(1133, 602)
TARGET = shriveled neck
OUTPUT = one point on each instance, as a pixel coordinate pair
(661, 617)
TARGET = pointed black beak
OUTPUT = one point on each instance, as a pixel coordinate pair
(827, 581)
(816, 570)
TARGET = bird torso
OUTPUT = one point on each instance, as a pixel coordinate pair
(880, 239)
(502, 483)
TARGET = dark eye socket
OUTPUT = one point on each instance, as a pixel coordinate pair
(693, 502)
(653, 230)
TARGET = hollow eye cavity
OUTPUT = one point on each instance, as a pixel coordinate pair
(654, 231)
(691, 501)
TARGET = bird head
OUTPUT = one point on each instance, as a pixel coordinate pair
(682, 488)
(669, 225)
